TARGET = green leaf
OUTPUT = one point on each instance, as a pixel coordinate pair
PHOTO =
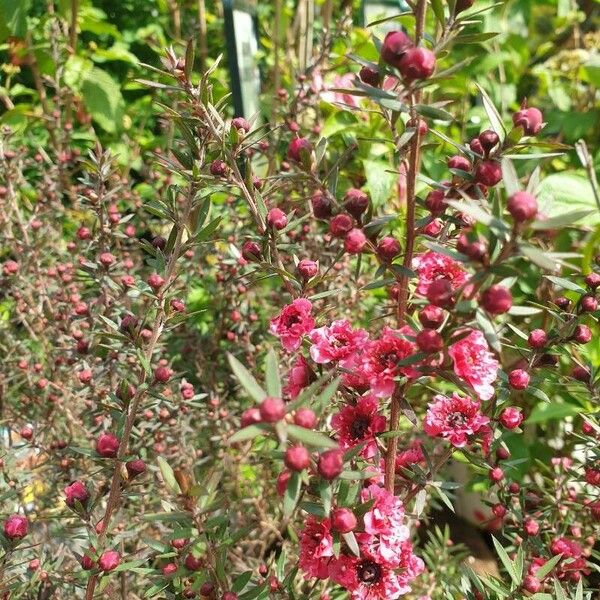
(438, 11)
(351, 543)
(433, 112)
(509, 177)
(550, 411)
(168, 475)
(492, 113)
(563, 220)
(565, 192)
(547, 567)
(248, 433)
(479, 214)
(246, 379)
(103, 100)
(380, 182)
(558, 590)
(310, 437)
(292, 494)
(508, 565)
(340, 121)
(272, 374)
(13, 21)
(539, 258)
(566, 284)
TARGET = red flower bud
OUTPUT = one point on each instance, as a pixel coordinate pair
(370, 76)
(251, 416)
(331, 464)
(135, 467)
(240, 123)
(459, 162)
(307, 268)
(582, 334)
(496, 300)
(531, 584)
(76, 492)
(588, 304)
(592, 280)
(531, 527)
(530, 119)
(272, 410)
(496, 474)
(435, 202)
(518, 379)
(321, 205)
(297, 458)
(355, 241)
(276, 218)
(298, 148)
(431, 316)
(429, 341)
(192, 563)
(440, 293)
(488, 139)
(251, 251)
(162, 374)
(488, 172)
(340, 225)
(356, 202)
(476, 145)
(282, 481)
(109, 560)
(537, 339)
(107, 445)
(15, 527)
(581, 374)
(169, 569)
(395, 44)
(218, 168)
(417, 63)
(463, 5)
(343, 520)
(86, 561)
(155, 281)
(388, 248)
(522, 206)
(306, 418)
(511, 417)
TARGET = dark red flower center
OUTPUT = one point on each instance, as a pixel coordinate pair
(456, 419)
(359, 427)
(369, 572)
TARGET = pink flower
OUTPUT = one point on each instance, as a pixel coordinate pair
(384, 526)
(15, 527)
(299, 376)
(454, 419)
(359, 424)
(433, 265)
(475, 364)
(410, 456)
(345, 81)
(337, 342)
(294, 321)
(366, 579)
(370, 578)
(379, 362)
(316, 548)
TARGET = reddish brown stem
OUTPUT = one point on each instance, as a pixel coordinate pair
(411, 181)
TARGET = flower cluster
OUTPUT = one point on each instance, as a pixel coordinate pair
(386, 564)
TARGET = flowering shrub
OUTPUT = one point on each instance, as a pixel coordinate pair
(265, 360)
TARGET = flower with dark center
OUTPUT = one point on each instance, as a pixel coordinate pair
(359, 427)
(368, 572)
